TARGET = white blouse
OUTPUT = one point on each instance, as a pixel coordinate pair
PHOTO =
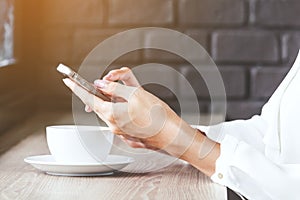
(260, 157)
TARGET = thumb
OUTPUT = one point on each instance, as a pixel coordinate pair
(115, 89)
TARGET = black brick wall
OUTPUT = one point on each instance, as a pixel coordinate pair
(253, 42)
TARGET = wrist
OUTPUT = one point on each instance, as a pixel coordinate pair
(175, 138)
(180, 140)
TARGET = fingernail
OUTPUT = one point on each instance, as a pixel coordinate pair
(100, 83)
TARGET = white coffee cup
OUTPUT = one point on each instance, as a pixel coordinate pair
(79, 144)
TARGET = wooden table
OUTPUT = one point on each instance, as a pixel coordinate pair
(19, 180)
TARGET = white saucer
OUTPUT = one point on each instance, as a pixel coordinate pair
(47, 164)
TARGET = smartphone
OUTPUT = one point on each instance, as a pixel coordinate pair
(82, 82)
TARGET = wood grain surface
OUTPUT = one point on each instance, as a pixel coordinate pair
(177, 180)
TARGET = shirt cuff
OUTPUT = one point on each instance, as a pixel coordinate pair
(222, 173)
(215, 132)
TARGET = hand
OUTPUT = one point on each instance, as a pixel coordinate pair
(124, 74)
(145, 121)
(127, 77)
(140, 117)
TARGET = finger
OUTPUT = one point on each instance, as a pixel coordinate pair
(115, 89)
(124, 74)
(89, 99)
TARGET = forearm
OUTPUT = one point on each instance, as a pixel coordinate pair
(202, 153)
(180, 140)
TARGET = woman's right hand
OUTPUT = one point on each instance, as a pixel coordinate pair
(125, 75)
(144, 121)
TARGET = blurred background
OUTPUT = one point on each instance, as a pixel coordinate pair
(253, 42)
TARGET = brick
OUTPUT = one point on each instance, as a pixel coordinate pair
(277, 12)
(124, 12)
(85, 40)
(180, 43)
(234, 79)
(200, 36)
(265, 80)
(162, 92)
(56, 45)
(74, 11)
(243, 109)
(157, 79)
(245, 47)
(290, 46)
(211, 12)
(161, 56)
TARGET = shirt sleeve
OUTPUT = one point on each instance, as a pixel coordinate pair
(242, 165)
(244, 169)
(251, 131)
